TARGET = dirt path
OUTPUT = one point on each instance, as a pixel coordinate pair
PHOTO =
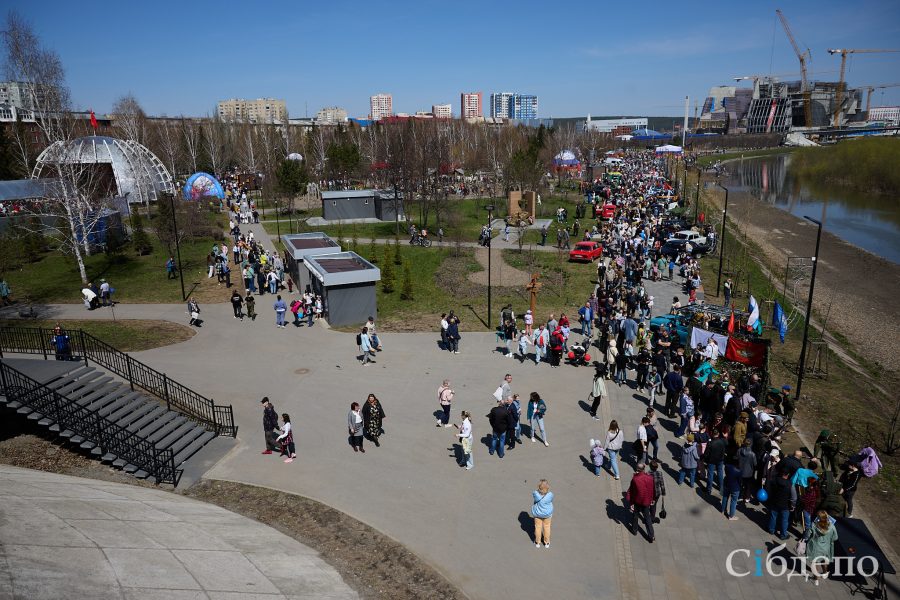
(502, 273)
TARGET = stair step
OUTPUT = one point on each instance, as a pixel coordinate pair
(96, 451)
(87, 445)
(120, 402)
(119, 463)
(182, 442)
(127, 418)
(131, 406)
(24, 410)
(82, 391)
(14, 404)
(150, 416)
(177, 434)
(108, 457)
(141, 474)
(130, 468)
(77, 439)
(75, 384)
(166, 429)
(69, 377)
(45, 422)
(66, 433)
(55, 427)
(192, 448)
(155, 425)
(35, 416)
(86, 399)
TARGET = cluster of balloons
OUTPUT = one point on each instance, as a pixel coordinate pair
(571, 355)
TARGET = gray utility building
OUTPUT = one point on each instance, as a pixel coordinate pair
(299, 247)
(346, 282)
(348, 205)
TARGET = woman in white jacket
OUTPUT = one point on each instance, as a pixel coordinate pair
(465, 437)
(614, 439)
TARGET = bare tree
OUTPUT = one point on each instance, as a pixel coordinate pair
(74, 195)
(167, 142)
(129, 118)
(191, 132)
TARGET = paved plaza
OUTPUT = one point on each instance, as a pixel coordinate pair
(473, 526)
(68, 537)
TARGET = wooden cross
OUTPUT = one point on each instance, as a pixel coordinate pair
(534, 286)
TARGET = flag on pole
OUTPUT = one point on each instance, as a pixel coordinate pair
(94, 123)
(731, 323)
(780, 321)
(753, 309)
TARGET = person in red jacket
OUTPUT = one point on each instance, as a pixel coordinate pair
(640, 496)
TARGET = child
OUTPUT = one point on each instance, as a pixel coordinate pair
(523, 344)
(287, 439)
(597, 455)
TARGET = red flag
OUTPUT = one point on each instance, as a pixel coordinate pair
(748, 353)
(731, 323)
(94, 121)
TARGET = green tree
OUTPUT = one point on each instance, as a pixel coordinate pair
(291, 177)
(8, 167)
(406, 292)
(398, 257)
(354, 239)
(387, 272)
(373, 251)
(140, 241)
(342, 157)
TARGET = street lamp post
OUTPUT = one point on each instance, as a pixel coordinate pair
(812, 287)
(277, 219)
(490, 209)
(697, 198)
(722, 240)
(177, 248)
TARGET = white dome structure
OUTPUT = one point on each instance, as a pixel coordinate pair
(139, 175)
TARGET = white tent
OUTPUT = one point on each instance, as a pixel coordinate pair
(668, 149)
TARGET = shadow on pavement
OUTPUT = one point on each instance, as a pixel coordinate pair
(527, 524)
(587, 464)
(584, 406)
(617, 513)
(457, 451)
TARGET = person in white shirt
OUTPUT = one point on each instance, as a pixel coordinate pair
(444, 325)
(105, 292)
(466, 436)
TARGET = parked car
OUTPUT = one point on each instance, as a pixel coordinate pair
(689, 235)
(586, 251)
(605, 211)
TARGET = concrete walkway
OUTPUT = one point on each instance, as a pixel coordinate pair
(68, 537)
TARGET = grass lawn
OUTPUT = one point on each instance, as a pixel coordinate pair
(136, 279)
(705, 161)
(127, 335)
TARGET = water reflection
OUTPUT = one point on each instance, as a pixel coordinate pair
(869, 221)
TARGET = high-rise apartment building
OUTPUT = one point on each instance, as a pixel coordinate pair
(261, 110)
(381, 106)
(514, 106)
(470, 105)
(442, 111)
(17, 94)
(331, 115)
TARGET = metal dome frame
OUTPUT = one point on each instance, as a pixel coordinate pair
(140, 176)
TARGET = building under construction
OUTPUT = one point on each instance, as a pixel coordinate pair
(774, 106)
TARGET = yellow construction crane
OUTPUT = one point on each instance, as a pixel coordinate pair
(803, 57)
(839, 96)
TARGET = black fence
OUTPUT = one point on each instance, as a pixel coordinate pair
(107, 435)
(84, 347)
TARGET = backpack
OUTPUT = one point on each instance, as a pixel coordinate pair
(359, 339)
(651, 433)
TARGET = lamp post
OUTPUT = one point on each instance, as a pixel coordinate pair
(697, 199)
(277, 219)
(177, 248)
(490, 209)
(812, 287)
(722, 240)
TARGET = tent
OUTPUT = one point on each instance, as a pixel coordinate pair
(566, 161)
(668, 149)
(203, 185)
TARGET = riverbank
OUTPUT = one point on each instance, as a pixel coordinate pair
(868, 164)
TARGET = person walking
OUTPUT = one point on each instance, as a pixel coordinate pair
(542, 512)
(466, 437)
(685, 411)
(453, 336)
(355, 426)
(537, 408)
(373, 416)
(598, 390)
(513, 434)
(250, 301)
(540, 340)
(280, 309)
(445, 398)
(614, 439)
(640, 496)
(364, 345)
(597, 455)
(237, 303)
(659, 490)
(688, 461)
(849, 484)
(499, 420)
(820, 541)
(270, 424)
(194, 311)
(170, 268)
(287, 439)
(652, 432)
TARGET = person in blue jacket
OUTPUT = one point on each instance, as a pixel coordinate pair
(542, 511)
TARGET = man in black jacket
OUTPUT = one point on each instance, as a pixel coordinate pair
(673, 384)
(714, 457)
(270, 424)
(781, 498)
(709, 401)
(499, 420)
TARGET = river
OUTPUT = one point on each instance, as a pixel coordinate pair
(869, 221)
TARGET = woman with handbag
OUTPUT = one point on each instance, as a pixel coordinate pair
(355, 426)
(817, 545)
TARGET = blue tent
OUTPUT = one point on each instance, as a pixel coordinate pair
(203, 185)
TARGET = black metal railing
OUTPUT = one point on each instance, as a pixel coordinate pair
(84, 347)
(105, 434)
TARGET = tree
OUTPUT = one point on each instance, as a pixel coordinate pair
(373, 251)
(9, 168)
(354, 239)
(129, 118)
(140, 241)
(291, 177)
(398, 257)
(387, 272)
(406, 293)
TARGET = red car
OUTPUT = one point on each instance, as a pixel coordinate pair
(587, 251)
(607, 211)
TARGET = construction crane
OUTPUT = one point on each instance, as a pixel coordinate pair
(871, 88)
(803, 57)
(839, 97)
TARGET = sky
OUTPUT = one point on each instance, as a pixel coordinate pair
(638, 58)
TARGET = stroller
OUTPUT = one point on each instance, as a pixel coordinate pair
(578, 353)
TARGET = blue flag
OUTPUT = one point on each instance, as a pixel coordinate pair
(780, 320)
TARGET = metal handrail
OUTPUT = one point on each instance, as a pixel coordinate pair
(110, 437)
(83, 346)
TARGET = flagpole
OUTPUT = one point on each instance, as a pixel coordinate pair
(812, 286)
